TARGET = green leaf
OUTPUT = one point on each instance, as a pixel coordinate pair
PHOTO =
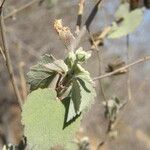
(87, 91)
(78, 70)
(70, 110)
(58, 66)
(42, 74)
(43, 117)
(70, 59)
(39, 79)
(81, 95)
(123, 10)
(47, 59)
(130, 22)
(76, 95)
(39, 76)
(82, 55)
(80, 92)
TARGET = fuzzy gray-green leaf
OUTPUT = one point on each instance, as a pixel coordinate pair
(58, 66)
(81, 95)
(42, 74)
(43, 117)
(129, 24)
(123, 10)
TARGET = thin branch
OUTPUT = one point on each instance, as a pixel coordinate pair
(3, 55)
(75, 43)
(23, 80)
(99, 57)
(1, 50)
(80, 13)
(100, 60)
(101, 36)
(16, 11)
(92, 14)
(146, 58)
(2, 5)
(21, 65)
(128, 74)
(8, 60)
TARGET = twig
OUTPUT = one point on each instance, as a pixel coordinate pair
(20, 9)
(100, 60)
(21, 65)
(92, 14)
(102, 35)
(3, 55)
(75, 43)
(99, 57)
(8, 60)
(67, 37)
(128, 74)
(23, 81)
(146, 58)
(1, 6)
(80, 13)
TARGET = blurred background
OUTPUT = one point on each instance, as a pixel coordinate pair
(30, 34)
